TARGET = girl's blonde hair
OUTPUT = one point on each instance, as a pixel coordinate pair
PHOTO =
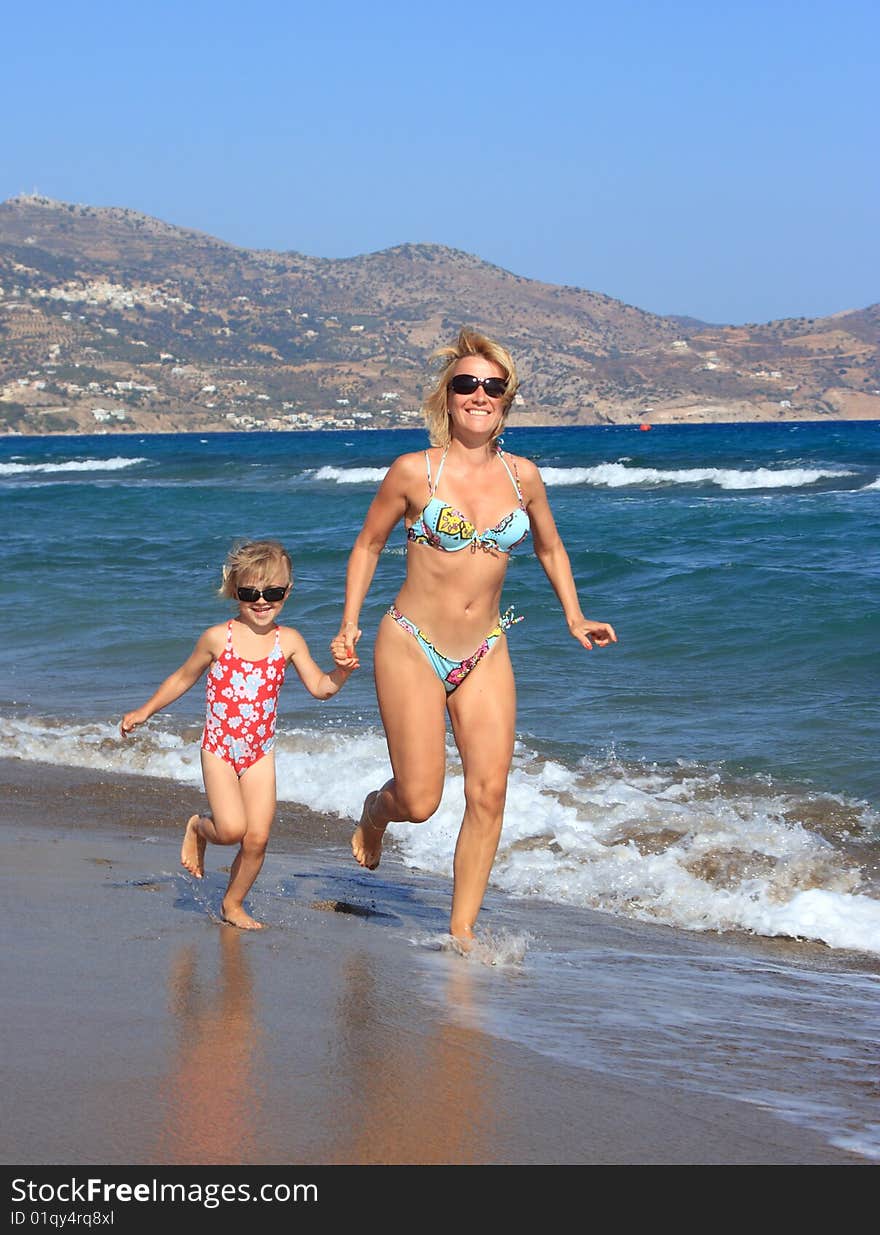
(469, 343)
(255, 559)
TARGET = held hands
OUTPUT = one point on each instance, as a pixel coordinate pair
(341, 656)
(131, 721)
(583, 629)
(342, 646)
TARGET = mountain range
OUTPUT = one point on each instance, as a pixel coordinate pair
(113, 320)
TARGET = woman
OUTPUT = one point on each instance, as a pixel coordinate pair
(441, 646)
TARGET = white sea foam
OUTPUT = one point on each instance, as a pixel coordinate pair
(351, 475)
(617, 475)
(678, 846)
(866, 1143)
(72, 465)
(501, 949)
(875, 484)
(97, 744)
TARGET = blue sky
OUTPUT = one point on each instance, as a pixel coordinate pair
(711, 159)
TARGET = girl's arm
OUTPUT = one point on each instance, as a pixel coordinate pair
(386, 510)
(551, 553)
(318, 683)
(174, 686)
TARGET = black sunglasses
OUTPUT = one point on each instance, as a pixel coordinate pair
(270, 594)
(466, 384)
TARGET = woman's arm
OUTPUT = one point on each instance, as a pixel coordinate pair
(551, 553)
(176, 685)
(386, 510)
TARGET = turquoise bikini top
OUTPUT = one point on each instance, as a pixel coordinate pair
(443, 527)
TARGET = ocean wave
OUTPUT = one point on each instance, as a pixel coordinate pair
(875, 484)
(351, 475)
(680, 846)
(72, 465)
(617, 475)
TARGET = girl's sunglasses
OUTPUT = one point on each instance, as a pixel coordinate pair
(466, 384)
(270, 594)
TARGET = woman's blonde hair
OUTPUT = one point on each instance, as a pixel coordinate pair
(469, 343)
(254, 559)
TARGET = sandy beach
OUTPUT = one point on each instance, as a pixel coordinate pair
(143, 1032)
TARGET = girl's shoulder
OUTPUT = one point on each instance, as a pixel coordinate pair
(214, 637)
(292, 642)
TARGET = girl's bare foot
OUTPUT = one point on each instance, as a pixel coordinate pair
(192, 853)
(235, 915)
(366, 843)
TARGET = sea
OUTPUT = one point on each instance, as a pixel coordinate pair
(713, 774)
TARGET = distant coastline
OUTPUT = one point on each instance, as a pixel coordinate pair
(112, 320)
(126, 434)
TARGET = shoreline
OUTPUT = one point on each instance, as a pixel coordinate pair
(144, 1032)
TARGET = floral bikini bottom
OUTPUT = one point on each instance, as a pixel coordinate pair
(453, 672)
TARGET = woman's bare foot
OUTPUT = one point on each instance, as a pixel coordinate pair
(462, 939)
(235, 915)
(192, 853)
(366, 842)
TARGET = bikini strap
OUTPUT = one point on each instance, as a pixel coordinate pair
(514, 477)
(229, 635)
(439, 470)
(428, 466)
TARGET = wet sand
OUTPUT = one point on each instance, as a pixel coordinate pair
(141, 1031)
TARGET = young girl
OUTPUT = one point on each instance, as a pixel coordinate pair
(247, 657)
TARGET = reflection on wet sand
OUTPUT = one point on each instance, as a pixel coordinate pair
(426, 1096)
(211, 1099)
(339, 1062)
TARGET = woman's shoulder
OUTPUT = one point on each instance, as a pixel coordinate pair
(407, 466)
(414, 458)
(526, 470)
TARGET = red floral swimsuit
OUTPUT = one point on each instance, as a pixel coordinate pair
(241, 705)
